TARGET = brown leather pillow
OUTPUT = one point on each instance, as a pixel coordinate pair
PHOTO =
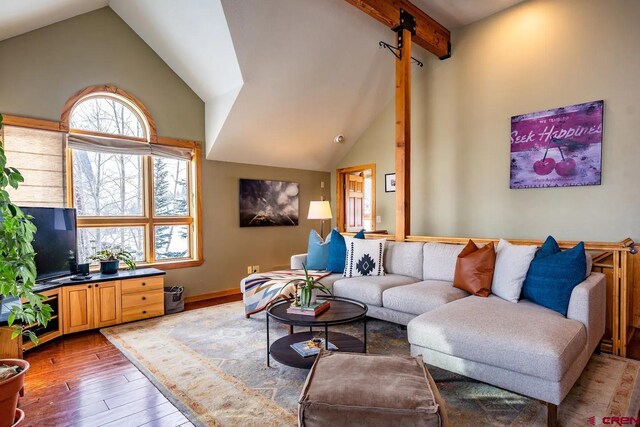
(474, 269)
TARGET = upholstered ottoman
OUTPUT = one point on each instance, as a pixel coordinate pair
(349, 389)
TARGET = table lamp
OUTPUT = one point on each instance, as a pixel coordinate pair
(320, 209)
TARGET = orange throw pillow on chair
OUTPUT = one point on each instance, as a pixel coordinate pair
(474, 269)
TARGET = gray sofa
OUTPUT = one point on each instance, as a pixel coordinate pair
(521, 347)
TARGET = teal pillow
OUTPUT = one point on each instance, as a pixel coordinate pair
(317, 251)
(553, 274)
(338, 250)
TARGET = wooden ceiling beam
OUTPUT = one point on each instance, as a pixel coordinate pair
(430, 34)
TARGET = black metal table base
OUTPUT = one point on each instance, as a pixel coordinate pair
(282, 352)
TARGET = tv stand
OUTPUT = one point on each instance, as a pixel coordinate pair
(95, 302)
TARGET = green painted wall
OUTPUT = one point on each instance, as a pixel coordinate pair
(537, 55)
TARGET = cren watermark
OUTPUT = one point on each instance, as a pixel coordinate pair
(614, 421)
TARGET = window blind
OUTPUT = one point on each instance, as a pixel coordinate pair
(40, 156)
(125, 146)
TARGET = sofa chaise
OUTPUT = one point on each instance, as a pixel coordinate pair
(521, 347)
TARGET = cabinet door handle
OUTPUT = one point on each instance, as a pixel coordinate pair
(89, 286)
(144, 311)
(144, 298)
(144, 284)
(97, 286)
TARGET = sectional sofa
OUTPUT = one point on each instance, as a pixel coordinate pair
(521, 347)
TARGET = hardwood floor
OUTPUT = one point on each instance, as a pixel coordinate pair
(83, 380)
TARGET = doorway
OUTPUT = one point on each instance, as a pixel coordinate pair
(356, 198)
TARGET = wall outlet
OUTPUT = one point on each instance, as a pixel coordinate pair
(256, 269)
(321, 184)
(249, 269)
(378, 219)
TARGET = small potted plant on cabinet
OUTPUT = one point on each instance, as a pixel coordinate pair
(110, 260)
(17, 281)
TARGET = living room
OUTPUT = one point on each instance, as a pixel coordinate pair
(212, 144)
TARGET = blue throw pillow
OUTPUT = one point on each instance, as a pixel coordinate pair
(553, 274)
(338, 250)
(317, 251)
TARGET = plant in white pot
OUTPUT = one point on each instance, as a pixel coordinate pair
(17, 280)
(306, 289)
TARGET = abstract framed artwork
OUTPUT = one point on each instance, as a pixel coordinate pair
(557, 148)
(268, 203)
(389, 182)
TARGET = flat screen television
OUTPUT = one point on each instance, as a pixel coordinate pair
(55, 241)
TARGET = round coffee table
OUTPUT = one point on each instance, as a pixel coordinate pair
(341, 311)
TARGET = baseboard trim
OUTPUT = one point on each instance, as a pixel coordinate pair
(212, 295)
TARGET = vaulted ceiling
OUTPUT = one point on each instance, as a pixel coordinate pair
(279, 78)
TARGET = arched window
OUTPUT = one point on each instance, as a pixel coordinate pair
(130, 188)
(109, 114)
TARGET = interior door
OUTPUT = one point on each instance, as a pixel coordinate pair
(108, 308)
(78, 308)
(354, 202)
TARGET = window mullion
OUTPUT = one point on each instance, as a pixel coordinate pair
(150, 230)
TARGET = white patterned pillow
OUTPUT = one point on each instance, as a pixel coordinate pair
(364, 257)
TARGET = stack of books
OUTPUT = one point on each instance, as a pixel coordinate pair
(312, 310)
(311, 348)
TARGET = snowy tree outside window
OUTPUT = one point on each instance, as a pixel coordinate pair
(109, 189)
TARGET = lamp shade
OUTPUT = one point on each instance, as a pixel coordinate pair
(319, 210)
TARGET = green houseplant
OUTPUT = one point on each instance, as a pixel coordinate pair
(110, 258)
(306, 287)
(17, 280)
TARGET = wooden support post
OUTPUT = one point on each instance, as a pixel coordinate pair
(403, 136)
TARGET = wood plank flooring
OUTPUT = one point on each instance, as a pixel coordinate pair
(83, 380)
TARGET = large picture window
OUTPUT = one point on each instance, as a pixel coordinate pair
(130, 192)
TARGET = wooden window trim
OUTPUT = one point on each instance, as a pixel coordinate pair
(148, 220)
(340, 202)
(195, 180)
(95, 90)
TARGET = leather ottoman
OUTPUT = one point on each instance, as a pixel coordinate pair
(349, 389)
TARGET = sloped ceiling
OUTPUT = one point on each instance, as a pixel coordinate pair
(279, 78)
(312, 70)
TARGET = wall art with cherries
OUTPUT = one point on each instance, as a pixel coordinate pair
(557, 148)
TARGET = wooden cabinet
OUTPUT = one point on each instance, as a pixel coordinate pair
(142, 298)
(78, 308)
(125, 297)
(107, 304)
(102, 304)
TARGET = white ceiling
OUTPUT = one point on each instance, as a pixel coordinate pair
(312, 70)
(279, 78)
(454, 14)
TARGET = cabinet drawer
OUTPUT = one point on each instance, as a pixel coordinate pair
(142, 312)
(142, 298)
(143, 284)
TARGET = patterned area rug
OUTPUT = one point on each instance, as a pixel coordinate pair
(211, 363)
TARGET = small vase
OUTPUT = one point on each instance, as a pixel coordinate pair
(109, 267)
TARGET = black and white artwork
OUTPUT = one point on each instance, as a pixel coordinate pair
(268, 203)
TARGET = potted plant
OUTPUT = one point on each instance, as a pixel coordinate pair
(17, 281)
(110, 259)
(306, 289)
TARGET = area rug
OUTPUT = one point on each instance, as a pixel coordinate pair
(211, 363)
